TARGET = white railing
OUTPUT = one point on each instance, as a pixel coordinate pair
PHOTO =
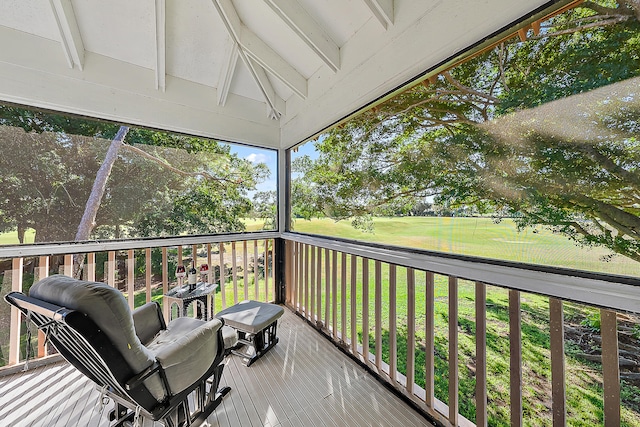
(241, 264)
(365, 298)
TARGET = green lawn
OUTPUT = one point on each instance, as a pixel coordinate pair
(477, 237)
(11, 238)
(481, 237)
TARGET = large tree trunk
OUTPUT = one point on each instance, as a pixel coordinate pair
(88, 221)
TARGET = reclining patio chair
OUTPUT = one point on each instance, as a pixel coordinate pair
(148, 368)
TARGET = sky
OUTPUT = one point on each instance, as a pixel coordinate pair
(259, 155)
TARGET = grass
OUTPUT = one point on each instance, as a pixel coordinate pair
(478, 237)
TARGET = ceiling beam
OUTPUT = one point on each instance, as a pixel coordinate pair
(70, 36)
(382, 10)
(227, 72)
(161, 45)
(265, 86)
(255, 48)
(269, 59)
(308, 30)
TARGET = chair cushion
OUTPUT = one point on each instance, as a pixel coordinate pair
(186, 350)
(251, 316)
(147, 322)
(230, 337)
(105, 305)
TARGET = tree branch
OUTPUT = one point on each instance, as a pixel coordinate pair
(611, 21)
(166, 165)
(466, 89)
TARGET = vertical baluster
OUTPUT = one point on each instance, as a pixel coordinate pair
(210, 273)
(288, 279)
(334, 293)
(211, 297)
(429, 338)
(234, 273)
(245, 272)
(453, 350)
(481, 354)
(111, 269)
(365, 310)
(14, 327)
(165, 284)
(343, 297)
(353, 300)
(327, 291)
(378, 314)
(301, 278)
(296, 279)
(312, 290)
(556, 338)
(68, 265)
(180, 259)
(411, 328)
(194, 255)
(515, 358)
(305, 255)
(147, 270)
(43, 271)
(267, 271)
(256, 281)
(610, 367)
(131, 265)
(223, 278)
(91, 267)
(393, 342)
(319, 287)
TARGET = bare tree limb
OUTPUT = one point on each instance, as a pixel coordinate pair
(166, 165)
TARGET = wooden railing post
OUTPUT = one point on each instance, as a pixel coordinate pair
(131, 270)
(610, 367)
(411, 328)
(429, 339)
(14, 331)
(481, 355)
(147, 274)
(282, 270)
(453, 351)
(166, 310)
(43, 271)
(515, 358)
(556, 340)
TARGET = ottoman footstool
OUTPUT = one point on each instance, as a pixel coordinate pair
(256, 326)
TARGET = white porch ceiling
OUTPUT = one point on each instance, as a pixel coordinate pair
(262, 72)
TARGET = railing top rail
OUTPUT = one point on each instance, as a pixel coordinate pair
(597, 289)
(16, 251)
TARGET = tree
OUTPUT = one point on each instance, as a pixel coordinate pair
(462, 138)
(153, 174)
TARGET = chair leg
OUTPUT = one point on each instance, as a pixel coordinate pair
(206, 402)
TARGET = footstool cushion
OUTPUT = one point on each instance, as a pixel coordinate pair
(250, 316)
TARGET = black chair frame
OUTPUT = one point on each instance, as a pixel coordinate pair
(87, 348)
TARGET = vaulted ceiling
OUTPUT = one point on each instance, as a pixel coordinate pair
(261, 72)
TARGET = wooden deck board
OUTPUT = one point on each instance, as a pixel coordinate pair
(303, 381)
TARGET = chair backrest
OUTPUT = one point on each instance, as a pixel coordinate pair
(90, 324)
(105, 306)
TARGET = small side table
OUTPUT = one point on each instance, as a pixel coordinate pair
(182, 297)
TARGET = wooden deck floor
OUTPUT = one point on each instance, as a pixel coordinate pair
(303, 381)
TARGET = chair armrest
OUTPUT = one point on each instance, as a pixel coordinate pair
(187, 354)
(148, 321)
